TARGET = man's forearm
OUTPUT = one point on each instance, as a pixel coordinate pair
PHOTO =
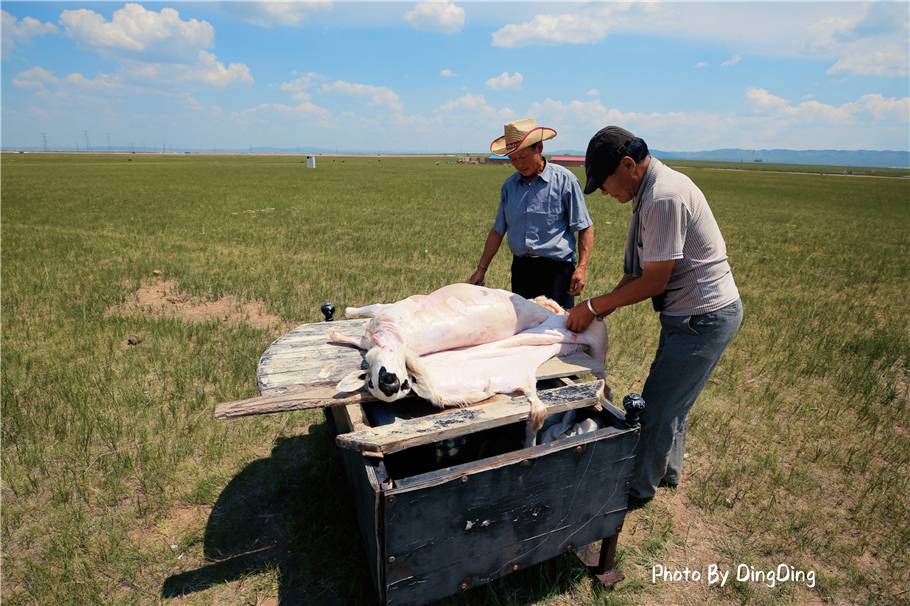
(626, 278)
(631, 289)
(585, 245)
(494, 240)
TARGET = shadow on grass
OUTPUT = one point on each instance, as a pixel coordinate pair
(292, 513)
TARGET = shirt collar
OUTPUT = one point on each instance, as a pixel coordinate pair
(649, 174)
(546, 174)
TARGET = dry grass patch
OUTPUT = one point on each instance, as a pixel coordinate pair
(163, 298)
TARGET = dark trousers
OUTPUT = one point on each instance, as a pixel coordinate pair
(535, 276)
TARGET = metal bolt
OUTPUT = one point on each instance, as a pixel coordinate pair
(579, 449)
(390, 500)
(513, 567)
(570, 548)
(526, 463)
(391, 559)
(464, 479)
(627, 486)
(465, 585)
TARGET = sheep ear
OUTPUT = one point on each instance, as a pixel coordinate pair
(353, 381)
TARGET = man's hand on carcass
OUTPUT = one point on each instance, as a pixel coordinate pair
(579, 317)
(478, 278)
(578, 281)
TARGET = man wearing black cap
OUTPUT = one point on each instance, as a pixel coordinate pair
(675, 255)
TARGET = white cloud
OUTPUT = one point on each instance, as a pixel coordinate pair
(16, 32)
(550, 29)
(735, 59)
(299, 87)
(137, 31)
(35, 77)
(269, 14)
(308, 110)
(155, 46)
(446, 73)
(38, 78)
(870, 107)
(468, 101)
(504, 81)
(209, 70)
(436, 16)
(379, 95)
(701, 65)
(892, 62)
(474, 108)
(860, 38)
(593, 92)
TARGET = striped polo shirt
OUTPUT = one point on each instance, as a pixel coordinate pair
(672, 220)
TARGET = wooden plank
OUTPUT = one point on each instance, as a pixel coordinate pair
(365, 484)
(491, 521)
(306, 335)
(495, 412)
(447, 474)
(314, 396)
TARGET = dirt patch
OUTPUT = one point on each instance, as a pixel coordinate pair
(172, 528)
(163, 298)
(694, 550)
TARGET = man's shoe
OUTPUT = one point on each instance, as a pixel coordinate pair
(636, 502)
(667, 484)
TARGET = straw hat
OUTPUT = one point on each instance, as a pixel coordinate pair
(519, 135)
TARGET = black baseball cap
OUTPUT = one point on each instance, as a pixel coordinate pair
(605, 149)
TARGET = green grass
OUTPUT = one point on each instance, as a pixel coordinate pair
(119, 487)
(870, 171)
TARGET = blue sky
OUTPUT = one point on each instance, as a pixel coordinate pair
(445, 76)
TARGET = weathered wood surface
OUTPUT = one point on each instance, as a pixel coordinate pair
(495, 412)
(315, 396)
(365, 479)
(300, 370)
(503, 514)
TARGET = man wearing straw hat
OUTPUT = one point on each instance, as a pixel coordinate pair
(541, 208)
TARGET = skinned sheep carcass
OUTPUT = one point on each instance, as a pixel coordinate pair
(462, 344)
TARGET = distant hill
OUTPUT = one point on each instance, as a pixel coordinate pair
(826, 157)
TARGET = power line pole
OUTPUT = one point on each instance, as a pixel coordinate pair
(88, 146)
(44, 140)
(108, 141)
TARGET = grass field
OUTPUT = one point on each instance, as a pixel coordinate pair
(118, 487)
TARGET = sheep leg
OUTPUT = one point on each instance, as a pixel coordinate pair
(367, 311)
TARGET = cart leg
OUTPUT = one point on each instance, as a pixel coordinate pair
(600, 558)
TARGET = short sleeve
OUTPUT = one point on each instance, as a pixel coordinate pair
(663, 230)
(574, 202)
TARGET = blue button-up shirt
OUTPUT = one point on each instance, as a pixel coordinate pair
(541, 215)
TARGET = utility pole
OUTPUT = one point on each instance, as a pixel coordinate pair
(44, 140)
(88, 146)
(108, 141)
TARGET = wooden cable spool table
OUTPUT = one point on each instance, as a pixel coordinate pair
(434, 525)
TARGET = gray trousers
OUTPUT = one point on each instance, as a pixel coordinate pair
(688, 351)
